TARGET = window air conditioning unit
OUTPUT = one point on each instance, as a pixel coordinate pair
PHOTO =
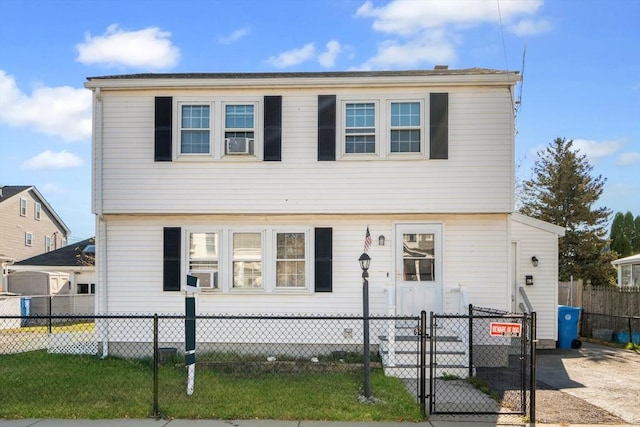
(238, 145)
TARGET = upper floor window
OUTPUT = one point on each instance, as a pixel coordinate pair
(28, 239)
(203, 258)
(239, 128)
(47, 243)
(37, 211)
(23, 207)
(360, 127)
(405, 127)
(195, 129)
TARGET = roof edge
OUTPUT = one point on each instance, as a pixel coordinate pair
(538, 223)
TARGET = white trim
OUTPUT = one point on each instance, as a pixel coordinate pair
(335, 80)
(23, 209)
(542, 225)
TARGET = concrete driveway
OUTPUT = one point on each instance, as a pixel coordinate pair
(606, 377)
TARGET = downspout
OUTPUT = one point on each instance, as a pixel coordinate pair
(101, 225)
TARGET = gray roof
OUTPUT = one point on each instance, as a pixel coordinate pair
(435, 72)
(66, 256)
(8, 191)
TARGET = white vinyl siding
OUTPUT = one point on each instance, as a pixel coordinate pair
(477, 177)
(543, 294)
(475, 256)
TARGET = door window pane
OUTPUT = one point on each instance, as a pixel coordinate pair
(418, 257)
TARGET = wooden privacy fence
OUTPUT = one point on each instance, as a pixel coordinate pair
(611, 300)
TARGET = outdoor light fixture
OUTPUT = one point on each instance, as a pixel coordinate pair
(381, 240)
(365, 261)
(534, 261)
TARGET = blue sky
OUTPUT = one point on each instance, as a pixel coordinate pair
(581, 69)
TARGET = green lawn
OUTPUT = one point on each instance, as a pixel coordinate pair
(41, 385)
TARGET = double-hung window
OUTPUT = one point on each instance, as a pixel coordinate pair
(47, 243)
(195, 129)
(203, 258)
(360, 127)
(247, 261)
(239, 128)
(291, 260)
(28, 239)
(23, 207)
(405, 127)
(37, 211)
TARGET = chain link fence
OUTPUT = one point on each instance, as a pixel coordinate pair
(235, 346)
(610, 328)
(482, 363)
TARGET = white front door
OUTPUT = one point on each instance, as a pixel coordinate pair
(418, 252)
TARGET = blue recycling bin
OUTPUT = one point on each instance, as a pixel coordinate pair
(568, 326)
(25, 310)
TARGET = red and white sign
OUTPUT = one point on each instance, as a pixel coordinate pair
(505, 329)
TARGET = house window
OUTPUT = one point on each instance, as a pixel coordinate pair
(23, 207)
(86, 288)
(37, 212)
(360, 128)
(28, 239)
(203, 259)
(239, 128)
(47, 243)
(290, 260)
(247, 260)
(195, 129)
(418, 257)
(405, 129)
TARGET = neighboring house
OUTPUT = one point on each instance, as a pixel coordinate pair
(263, 185)
(65, 272)
(628, 270)
(28, 224)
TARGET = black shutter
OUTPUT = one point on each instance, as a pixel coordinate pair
(324, 256)
(326, 127)
(171, 266)
(439, 129)
(163, 124)
(273, 128)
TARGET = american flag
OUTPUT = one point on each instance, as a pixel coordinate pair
(367, 240)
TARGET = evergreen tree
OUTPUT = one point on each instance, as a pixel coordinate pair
(563, 192)
(625, 234)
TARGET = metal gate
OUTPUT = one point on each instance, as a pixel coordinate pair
(482, 363)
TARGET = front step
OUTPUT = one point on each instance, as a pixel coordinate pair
(401, 356)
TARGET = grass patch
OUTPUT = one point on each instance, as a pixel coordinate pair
(44, 329)
(41, 385)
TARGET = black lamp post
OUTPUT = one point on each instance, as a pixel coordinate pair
(365, 261)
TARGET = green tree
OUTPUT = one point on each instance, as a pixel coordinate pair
(625, 234)
(562, 191)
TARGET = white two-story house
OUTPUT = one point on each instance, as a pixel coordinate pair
(263, 185)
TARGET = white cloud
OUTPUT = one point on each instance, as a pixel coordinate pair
(50, 160)
(328, 58)
(432, 46)
(145, 49)
(406, 17)
(530, 27)
(59, 111)
(595, 150)
(293, 57)
(234, 36)
(51, 188)
(429, 31)
(628, 159)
